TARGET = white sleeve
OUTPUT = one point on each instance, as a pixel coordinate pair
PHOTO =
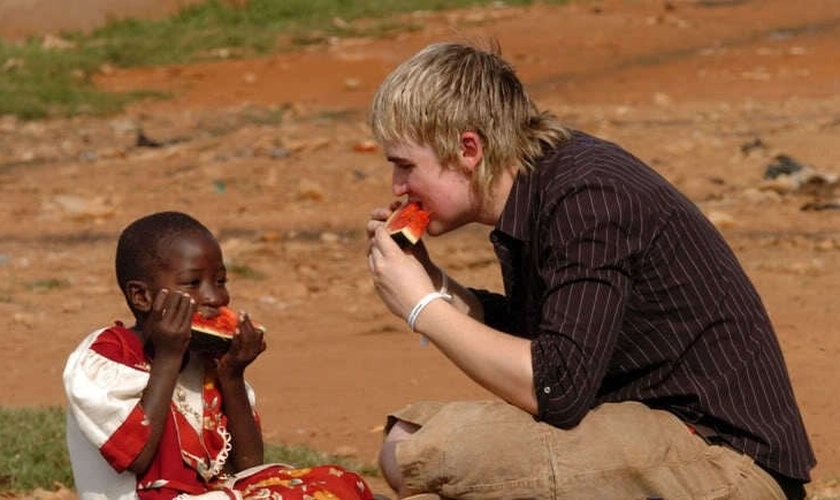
(102, 396)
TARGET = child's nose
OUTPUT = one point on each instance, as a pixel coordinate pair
(215, 297)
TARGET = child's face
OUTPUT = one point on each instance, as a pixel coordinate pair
(445, 192)
(194, 265)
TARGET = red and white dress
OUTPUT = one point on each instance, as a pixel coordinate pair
(105, 377)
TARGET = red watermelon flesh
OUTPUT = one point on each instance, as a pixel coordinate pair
(214, 334)
(407, 224)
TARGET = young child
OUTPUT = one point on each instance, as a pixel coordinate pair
(149, 418)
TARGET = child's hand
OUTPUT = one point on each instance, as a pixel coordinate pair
(167, 326)
(246, 345)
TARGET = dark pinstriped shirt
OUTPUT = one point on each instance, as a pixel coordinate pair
(629, 293)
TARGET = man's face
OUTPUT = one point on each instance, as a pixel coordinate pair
(446, 192)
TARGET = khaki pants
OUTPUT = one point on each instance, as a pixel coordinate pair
(488, 450)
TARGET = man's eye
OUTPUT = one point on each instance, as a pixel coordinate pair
(191, 283)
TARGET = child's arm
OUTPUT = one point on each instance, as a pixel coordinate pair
(167, 329)
(247, 450)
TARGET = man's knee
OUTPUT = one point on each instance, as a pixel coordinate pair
(388, 464)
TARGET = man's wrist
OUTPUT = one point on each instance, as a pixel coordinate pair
(421, 304)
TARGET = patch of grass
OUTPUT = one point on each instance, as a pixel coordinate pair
(34, 452)
(264, 116)
(245, 271)
(303, 457)
(46, 285)
(42, 81)
(337, 114)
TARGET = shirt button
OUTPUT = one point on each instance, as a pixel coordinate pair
(547, 390)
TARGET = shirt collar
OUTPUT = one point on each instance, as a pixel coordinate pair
(515, 217)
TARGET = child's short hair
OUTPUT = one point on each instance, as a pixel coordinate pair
(139, 246)
(450, 88)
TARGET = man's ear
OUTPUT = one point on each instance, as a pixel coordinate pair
(138, 295)
(472, 150)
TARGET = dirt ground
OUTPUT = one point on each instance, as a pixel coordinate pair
(274, 155)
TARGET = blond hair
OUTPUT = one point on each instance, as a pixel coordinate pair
(450, 88)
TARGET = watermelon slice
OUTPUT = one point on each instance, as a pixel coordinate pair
(215, 334)
(407, 224)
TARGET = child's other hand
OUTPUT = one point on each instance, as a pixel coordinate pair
(169, 322)
(246, 345)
